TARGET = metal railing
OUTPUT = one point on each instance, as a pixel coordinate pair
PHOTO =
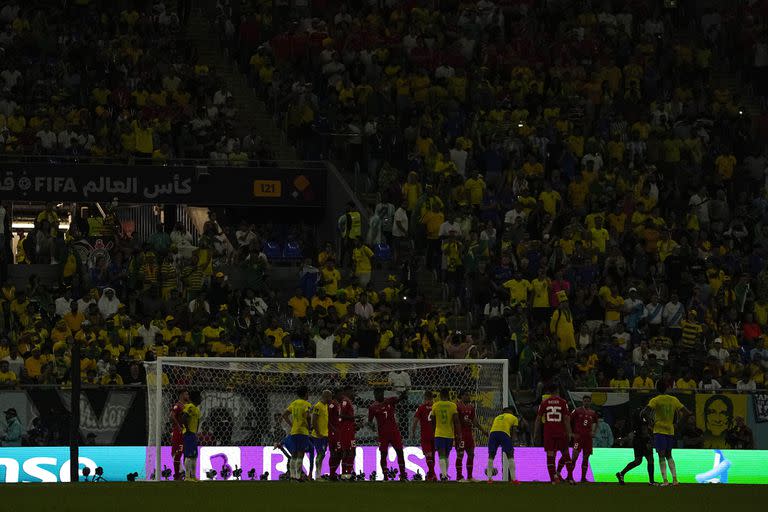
(140, 161)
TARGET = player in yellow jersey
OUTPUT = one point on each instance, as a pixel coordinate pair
(298, 417)
(447, 428)
(503, 434)
(319, 437)
(191, 421)
(665, 407)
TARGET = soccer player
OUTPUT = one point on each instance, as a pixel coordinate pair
(426, 421)
(383, 410)
(553, 413)
(641, 443)
(333, 434)
(298, 417)
(583, 424)
(177, 431)
(468, 421)
(191, 420)
(447, 429)
(319, 436)
(503, 434)
(346, 439)
(665, 407)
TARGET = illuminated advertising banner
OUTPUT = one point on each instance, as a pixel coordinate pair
(52, 464)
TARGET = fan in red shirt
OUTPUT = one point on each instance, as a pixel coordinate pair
(468, 421)
(177, 439)
(553, 413)
(426, 421)
(584, 424)
(345, 442)
(383, 409)
(333, 434)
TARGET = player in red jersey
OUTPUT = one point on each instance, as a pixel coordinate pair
(346, 439)
(426, 421)
(333, 434)
(383, 410)
(468, 421)
(583, 424)
(177, 430)
(553, 413)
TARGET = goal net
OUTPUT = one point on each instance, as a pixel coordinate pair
(242, 400)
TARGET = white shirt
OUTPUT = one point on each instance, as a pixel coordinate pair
(364, 310)
(459, 159)
(108, 307)
(194, 303)
(512, 215)
(47, 139)
(720, 353)
(257, 304)
(653, 313)
(673, 314)
(638, 358)
(741, 385)
(83, 305)
(244, 238)
(446, 228)
(401, 217)
(148, 334)
(324, 346)
(712, 385)
(401, 381)
(661, 354)
(62, 306)
(15, 365)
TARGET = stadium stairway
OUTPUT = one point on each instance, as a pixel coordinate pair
(251, 110)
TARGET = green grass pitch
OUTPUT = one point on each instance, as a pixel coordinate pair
(375, 497)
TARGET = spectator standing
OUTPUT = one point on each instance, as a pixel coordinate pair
(13, 431)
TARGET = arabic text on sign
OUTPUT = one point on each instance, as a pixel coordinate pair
(267, 188)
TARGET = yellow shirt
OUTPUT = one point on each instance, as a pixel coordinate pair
(361, 256)
(549, 201)
(540, 288)
(331, 280)
(444, 411)
(518, 290)
(665, 407)
(620, 383)
(299, 409)
(192, 412)
(320, 425)
(299, 306)
(475, 189)
(599, 238)
(639, 383)
(504, 423)
(8, 377)
(211, 334)
(685, 384)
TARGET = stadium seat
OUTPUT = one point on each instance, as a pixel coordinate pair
(272, 250)
(382, 252)
(292, 251)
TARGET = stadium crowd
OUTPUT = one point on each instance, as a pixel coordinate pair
(596, 204)
(112, 83)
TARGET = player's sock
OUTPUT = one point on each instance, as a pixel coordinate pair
(347, 464)
(176, 465)
(569, 465)
(551, 466)
(430, 464)
(383, 463)
(443, 467)
(459, 464)
(489, 469)
(333, 463)
(650, 470)
(319, 465)
(511, 468)
(584, 468)
(470, 465)
(672, 469)
(663, 469)
(189, 467)
(401, 463)
(559, 469)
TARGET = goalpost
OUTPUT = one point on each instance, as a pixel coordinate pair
(241, 398)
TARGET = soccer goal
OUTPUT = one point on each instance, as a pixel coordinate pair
(240, 430)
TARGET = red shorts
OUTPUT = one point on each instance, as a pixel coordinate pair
(583, 443)
(467, 441)
(345, 440)
(555, 444)
(393, 439)
(177, 444)
(428, 445)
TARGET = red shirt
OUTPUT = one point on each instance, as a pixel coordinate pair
(176, 411)
(347, 409)
(384, 412)
(466, 417)
(426, 421)
(582, 421)
(554, 412)
(333, 417)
